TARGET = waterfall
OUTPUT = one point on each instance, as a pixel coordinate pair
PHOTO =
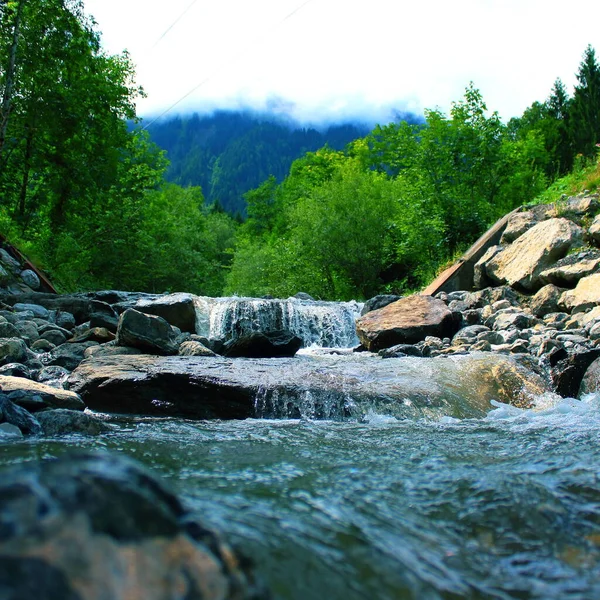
(325, 324)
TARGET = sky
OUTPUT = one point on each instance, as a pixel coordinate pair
(327, 60)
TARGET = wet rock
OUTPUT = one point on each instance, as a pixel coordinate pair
(586, 295)
(401, 350)
(147, 332)
(468, 335)
(38, 311)
(28, 331)
(590, 382)
(263, 345)
(103, 315)
(35, 396)
(18, 416)
(194, 348)
(42, 346)
(304, 296)
(62, 421)
(54, 336)
(510, 318)
(12, 350)
(205, 388)
(378, 302)
(567, 374)
(16, 370)
(53, 376)
(406, 321)
(177, 309)
(68, 355)
(521, 263)
(110, 349)
(10, 431)
(101, 526)
(95, 334)
(78, 306)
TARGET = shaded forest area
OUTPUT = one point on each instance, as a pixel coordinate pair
(87, 196)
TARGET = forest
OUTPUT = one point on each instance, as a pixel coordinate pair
(88, 195)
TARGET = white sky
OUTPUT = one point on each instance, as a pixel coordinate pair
(348, 58)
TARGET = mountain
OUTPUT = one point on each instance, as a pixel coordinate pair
(228, 153)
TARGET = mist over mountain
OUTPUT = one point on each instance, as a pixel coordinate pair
(227, 153)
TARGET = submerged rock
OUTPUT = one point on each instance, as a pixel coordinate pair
(101, 526)
(311, 386)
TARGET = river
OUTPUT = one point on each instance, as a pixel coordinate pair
(504, 506)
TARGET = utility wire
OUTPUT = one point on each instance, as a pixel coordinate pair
(173, 24)
(225, 63)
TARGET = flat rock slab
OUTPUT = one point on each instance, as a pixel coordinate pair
(305, 386)
(49, 397)
(406, 321)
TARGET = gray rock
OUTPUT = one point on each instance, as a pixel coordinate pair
(42, 346)
(271, 344)
(480, 278)
(28, 331)
(103, 315)
(35, 396)
(594, 230)
(30, 279)
(38, 311)
(53, 376)
(8, 330)
(5, 277)
(62, 318)
(194, 348)
(545, 300)
(68, 355)
(99, 526)
(12, 350)
(378, 302)
(54, 336)
(304, 296)
(569, 270)
(9, 431)
(177, 309)
(517, 225)
(18, 416)
(568, 373)
(147, 332)
(401, 350)
(16, 370)
(11, 263)
(590, 382)
(62, 421)
(468, 335)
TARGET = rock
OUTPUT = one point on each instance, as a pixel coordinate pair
(68, 355)
(54, 336)
(101, 526)
(8, 330)
(147, 332)
(378, 302)
(78, 306)
(95, 334)
(406, 321)
(103, 315)
(594, 230)
(401, 350)
(484, 298)
(38, 311)
(585, 295)
(10, 431)
(35, 396)
(578, 206)
(18, 416)
(271, 344)
(42, 346)
(590, 382)
(62, 421)
(12, 350)
(62, 319)
(567, 374)
(521, 263)
(11, 263)
(545, 300)
(28, 331)
(517, 225)
(194, 348)
(510, 318)
(30, 279)
(53, 376)
(569, 270)
(5, 277)
(209, 388)
(468, 335)
(177, 309)
(15, 370)
(110, 349)
(304, 296)
(480, 278)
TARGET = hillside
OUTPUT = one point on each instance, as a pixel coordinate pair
(229, 153)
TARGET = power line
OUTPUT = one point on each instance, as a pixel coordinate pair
(173, 24)
(224, 64)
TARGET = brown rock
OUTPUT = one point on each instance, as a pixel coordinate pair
(591, 380)
(521, 263)
(407, 321)
(585, 295)
(545, 300)
(517, 225)
(52, 397)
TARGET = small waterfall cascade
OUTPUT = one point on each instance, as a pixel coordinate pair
(325, 324)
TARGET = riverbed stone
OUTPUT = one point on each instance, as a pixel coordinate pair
(35, 396)
(177, 309)
(12, 350)
(68, 355)
(62, 421)
(406, 321)
(18, 416)
(147, 332)
(30, 279)
(271, 344)
(568, 373)
(585, 295)
(378, 302)
(194, 348)
(101, 526)
(521, 263)
(545, 300)
(590, 382)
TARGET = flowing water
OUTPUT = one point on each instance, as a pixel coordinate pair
(506, 506)
(378, 505)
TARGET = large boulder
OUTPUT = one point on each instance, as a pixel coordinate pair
(379, 302)
(101, 526)
(19, 417)
(406, 321)
(517, 225)
(521, 263)
(147, 332)
(569, 270)
(590, 382)
(317, 387)
(545, 300)
(568, 373)
(177, 309)
(585, 295)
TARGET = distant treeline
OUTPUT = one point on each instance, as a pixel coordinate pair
(88, 197)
